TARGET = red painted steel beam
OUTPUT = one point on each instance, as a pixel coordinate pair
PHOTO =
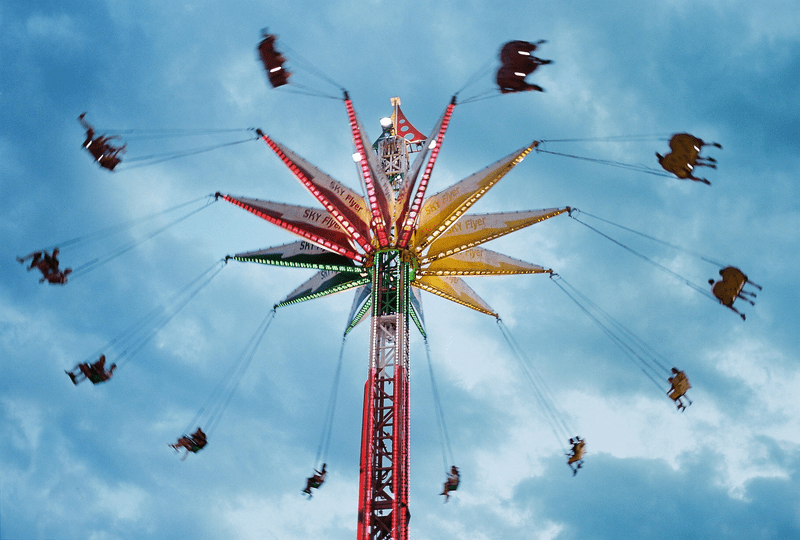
(308, 235)
(301, 175)
(379, 218)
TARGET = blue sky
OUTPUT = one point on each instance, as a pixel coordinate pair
(93, 462)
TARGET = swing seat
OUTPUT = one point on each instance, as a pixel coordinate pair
(677, 164)
(687, 146)
(197, 445)
(273, 61)
(578, 451)
(730, 286)
(727, 291)
(680, 385)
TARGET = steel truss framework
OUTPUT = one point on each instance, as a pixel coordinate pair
(383, 506)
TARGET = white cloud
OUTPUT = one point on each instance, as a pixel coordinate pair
(123, 502)
(60, 30)
(290, 516)
(26, 418)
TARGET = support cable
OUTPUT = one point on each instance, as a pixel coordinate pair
(629, 166)
(633, 338)
(541, 392)
(239, 374)
(489, 94)
(327, 426)
(108, 231)
(212, 409)
(480, 72)
(129, 334)
(151, 134)
(166, 318)
(545, 389)
(664, 242)
(448, 458)
(302, 90)
(640, 360)
(99, 261)
(701, 290)
(614, 138)
(160, 158)
(142, 330)
(307, 66)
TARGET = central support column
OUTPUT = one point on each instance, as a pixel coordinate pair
(383, 496)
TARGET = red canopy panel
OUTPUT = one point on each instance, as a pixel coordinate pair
(313, 224)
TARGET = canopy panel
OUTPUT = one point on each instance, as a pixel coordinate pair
(410, 179)
(416, 311)
(403, 127)
(348, 207)
(314, 224)
(454, 289)
(324, 283)
(480, 262)
(440, 211)
(362, 301)
(300, 254)
(473, 229)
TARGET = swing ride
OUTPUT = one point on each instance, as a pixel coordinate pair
(388, 243)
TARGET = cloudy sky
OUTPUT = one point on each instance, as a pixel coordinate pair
(92, 462)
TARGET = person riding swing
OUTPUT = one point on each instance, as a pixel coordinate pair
(517, 62)
(47, 264)
(315, 481)
(575, 456)
(451, 484)
(102, 151)
(679, 386)
(731, 287)
(96, 372)
(192, 443)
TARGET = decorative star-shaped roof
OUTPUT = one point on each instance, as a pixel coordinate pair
(435, 233)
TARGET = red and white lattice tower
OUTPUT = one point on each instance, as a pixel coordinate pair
(388, 244)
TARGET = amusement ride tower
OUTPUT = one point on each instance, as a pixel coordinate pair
(389, 244)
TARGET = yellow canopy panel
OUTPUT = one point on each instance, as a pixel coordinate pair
(454, 289)
(473, 229)
(442, 209)
(480, 262)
